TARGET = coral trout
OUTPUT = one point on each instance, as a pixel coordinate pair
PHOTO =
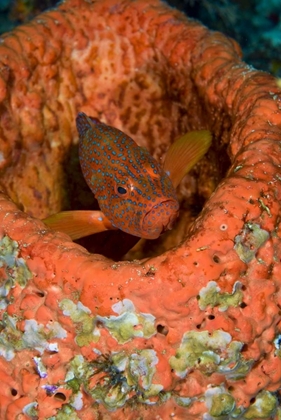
(135, 193)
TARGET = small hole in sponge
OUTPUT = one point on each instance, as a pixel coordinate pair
(14, 392)
(60, 396)
(162, 329)
(244, 348)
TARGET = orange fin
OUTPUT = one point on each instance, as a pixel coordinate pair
(79, 223)
(185, 152)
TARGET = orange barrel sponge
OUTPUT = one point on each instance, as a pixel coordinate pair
(193, 333)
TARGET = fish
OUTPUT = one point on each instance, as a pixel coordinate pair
(135, 193)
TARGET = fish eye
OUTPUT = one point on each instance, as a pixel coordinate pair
(121, 190)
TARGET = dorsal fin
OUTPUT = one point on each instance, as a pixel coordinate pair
(184, 153)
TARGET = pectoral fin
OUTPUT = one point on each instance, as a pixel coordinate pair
(79, 223)
(185, 153)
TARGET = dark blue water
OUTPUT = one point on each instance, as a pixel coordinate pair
(255, 24)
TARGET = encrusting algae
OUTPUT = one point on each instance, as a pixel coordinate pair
(193, 333)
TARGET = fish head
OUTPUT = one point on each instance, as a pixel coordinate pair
(143, 204)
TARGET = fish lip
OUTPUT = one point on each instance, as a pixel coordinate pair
(153, 231)
(171, 222)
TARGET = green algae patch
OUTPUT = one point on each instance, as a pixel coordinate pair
(30, 410)
(86, 330)
(124, 378)
(14, 273)
(124, 327)
(210, 353)
(129, 323)
(141, 369)
(219, 402)
(264, 407)
(183, 401)
(211, 296)
(10, 337)
(222, 405)
(35, 336)
(249, 241)
(14, 270)
(233, 365)
(65, 413)
(77, 371)
(116, 379)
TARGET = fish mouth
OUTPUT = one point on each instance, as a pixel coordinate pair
(159, 219)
